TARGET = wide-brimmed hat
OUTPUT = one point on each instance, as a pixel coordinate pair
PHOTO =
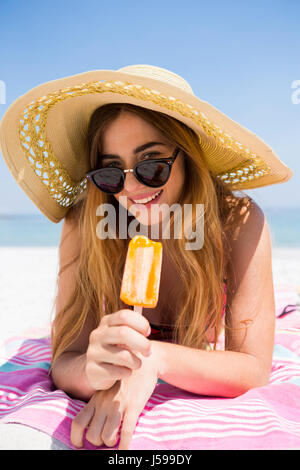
(43, 133)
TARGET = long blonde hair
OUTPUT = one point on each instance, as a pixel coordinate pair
(101, 261)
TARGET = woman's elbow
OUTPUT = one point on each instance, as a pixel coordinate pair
(258, 378)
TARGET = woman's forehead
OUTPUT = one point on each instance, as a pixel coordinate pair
(130, 134)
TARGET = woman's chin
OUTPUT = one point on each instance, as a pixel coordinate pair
(150, 221)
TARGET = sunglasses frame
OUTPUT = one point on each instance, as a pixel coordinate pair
(169, 161)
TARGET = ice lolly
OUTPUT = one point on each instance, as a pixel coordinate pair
(141, 278)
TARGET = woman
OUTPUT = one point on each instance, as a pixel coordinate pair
(104, 352)
(110, 375)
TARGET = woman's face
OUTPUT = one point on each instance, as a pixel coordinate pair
(120, 141)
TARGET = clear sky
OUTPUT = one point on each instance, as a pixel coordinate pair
(240, 56)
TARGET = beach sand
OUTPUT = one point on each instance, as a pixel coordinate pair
(28, 287)
(28, 284)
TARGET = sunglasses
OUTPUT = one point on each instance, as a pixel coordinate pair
(153, 173)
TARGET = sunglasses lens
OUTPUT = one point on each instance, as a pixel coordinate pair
(153, 174)
(109, 180)
(150, 173)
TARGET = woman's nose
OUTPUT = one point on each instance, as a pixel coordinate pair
(131, 185)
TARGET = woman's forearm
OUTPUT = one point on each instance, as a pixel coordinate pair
(214, 373)
(69, 375)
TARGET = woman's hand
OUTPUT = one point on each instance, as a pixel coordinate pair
(113, 348)
(122, 403)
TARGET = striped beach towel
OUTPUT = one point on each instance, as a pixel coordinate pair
(263, 418)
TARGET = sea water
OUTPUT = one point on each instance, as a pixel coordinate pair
(37, 230)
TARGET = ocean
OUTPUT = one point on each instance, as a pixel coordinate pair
(37, 230)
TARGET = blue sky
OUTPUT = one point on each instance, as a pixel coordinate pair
(240, 56)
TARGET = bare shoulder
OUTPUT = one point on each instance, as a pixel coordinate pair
(250, 286)
(250, 238)
(244, 213)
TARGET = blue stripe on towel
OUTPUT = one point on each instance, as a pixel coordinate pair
(285, 353)
(11, 367)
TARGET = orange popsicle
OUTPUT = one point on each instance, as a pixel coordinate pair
(141, 278)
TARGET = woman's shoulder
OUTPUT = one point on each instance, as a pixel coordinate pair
(250, 240)
(248, 228)
(243, 214)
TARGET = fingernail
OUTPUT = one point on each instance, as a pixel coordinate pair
(78, 444)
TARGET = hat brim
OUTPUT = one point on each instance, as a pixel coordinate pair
(43, 135)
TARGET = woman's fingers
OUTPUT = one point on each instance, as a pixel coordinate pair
(93, 434)
(79, 423)
(112, 425)
(103, 373)
(130, 338)
(131, 319)
(122, 357)
(127, 429)
(119, 340)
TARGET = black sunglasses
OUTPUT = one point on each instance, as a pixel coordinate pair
(153, 173)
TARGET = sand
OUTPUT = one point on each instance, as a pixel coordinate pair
(28, 288)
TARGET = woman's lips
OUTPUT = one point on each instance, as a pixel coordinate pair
(145, 196)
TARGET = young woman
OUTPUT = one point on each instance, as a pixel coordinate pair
(103, 351)
(112, 360)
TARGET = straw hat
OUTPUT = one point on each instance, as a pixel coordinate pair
(43, 133)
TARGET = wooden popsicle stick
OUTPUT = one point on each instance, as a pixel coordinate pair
(138, 309)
